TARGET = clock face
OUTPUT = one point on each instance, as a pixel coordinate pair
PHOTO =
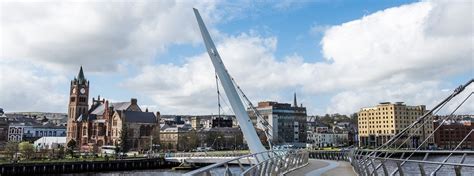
(83, 90)
(74, 90)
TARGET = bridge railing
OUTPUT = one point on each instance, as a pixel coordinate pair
(272, 162)
(341, 155)
(401, 164)
(206, 154)
(392, 157)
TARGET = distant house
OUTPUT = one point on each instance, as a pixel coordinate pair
(50, 142)
(3, 130)
(171, 136)
(27, 131)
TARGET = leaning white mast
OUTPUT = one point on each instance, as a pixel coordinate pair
(243, 118)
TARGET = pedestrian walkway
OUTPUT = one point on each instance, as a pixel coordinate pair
(317, 167)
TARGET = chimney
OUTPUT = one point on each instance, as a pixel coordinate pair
(146, 110)
(295, 103)
(158, 116)
(106, 105)
(133, 101)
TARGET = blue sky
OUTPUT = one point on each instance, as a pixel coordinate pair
(338, 56)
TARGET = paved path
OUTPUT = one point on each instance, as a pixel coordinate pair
(324, 168)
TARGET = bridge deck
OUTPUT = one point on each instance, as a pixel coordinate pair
(317, 167)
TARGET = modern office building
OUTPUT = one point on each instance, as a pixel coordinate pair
(288, 122)
(380, 123)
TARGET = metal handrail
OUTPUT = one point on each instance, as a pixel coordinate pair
(422, 151)
(364, 164)
(205, 154)
(254, 159)
(424, 162)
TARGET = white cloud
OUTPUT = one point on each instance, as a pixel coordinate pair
(190, 88)
(398, 50)
(391, 55)
(318, 29)
(403, 53)
(25, 88)
(63, 35)
(55, 37)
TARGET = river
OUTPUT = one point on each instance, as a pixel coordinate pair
(153, 172)
(409, 169)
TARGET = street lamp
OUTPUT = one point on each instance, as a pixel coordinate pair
(188, 141)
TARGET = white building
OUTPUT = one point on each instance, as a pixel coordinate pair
(18, 132)
(50, 142)
(328, 139)
(322, 136)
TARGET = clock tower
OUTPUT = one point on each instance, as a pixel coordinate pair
(78, 105)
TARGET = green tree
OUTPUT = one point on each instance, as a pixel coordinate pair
(188, 141)
(71, 145)
(11, 148)
(124, 145)
(170, 146)
(61, 152)
(27, 149)
(354, 118)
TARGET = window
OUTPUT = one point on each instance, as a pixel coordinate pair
(73, 99)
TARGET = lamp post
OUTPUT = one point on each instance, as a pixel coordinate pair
(188, 137)
(151, 144)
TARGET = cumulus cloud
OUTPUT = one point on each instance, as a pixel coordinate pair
(62, 35)
(190, 88)
(25, 87)
(398, 54)
(399, 50)
(404, 53)
(55, 37)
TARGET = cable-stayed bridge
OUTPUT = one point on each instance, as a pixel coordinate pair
(397, 156)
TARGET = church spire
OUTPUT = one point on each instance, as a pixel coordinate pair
(80, 76)
(295, 103)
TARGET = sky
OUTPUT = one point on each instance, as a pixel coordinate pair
(337, 56)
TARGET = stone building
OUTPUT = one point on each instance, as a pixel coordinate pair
(378, 124)
(104, 122)
(177, 137)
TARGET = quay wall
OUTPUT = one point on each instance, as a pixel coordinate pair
(84, 166)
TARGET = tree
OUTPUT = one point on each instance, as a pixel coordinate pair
(11, 148)
(354, 118)
(124, 145)
(27, 149)
(70, 147)
(188, 141)
(61, 152)
(170, 146)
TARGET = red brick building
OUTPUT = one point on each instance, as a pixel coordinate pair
(103, 122)
(451, 133)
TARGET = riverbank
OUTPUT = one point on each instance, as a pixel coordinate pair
(84, 166)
